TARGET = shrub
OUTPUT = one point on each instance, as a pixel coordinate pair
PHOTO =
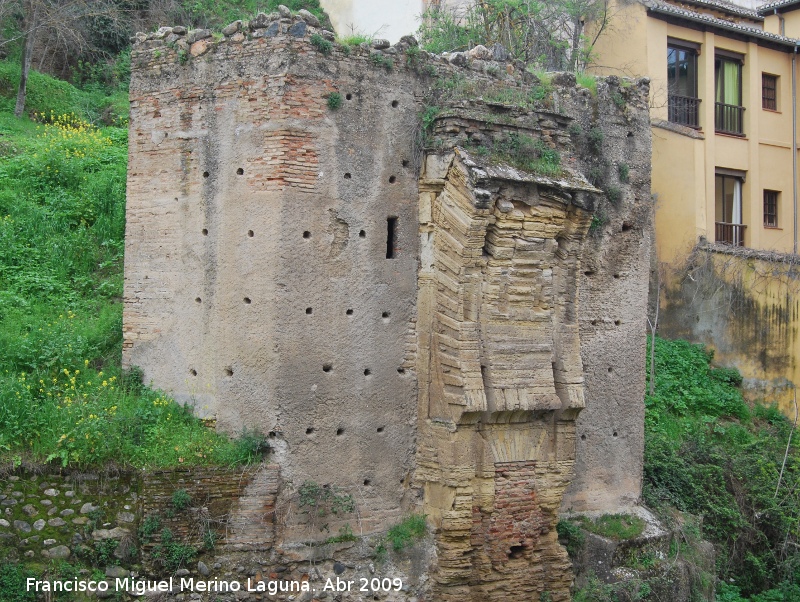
(12, 583)
(209, 540)
(599, 220)
(170, 553)
(323, 500)
(181, 499)
(321, 44)
(624, 172)
(380, 60)
(334, 101)
(428, 118)
(345, 534)
(595, 140)
(149, 526)
(412, 56)
(104, 552)
(571, 537)
(613, 194)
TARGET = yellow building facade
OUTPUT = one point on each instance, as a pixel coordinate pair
(724, 174)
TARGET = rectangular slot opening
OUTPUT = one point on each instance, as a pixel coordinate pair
(391, 237)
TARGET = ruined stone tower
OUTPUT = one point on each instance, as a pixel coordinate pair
(409, 310)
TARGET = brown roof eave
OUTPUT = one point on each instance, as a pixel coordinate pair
(736, 32)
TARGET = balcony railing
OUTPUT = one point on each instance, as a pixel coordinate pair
(729, 119)
(684, 110)
(729, 234)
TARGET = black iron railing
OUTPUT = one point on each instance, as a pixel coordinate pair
(684, 110)
(729, 119)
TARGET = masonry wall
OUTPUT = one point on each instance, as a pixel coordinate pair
(744, 305)
(613, 288)
(409, 319)
(258, 286)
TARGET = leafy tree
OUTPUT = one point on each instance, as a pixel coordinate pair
(551, 34)
(61, 23)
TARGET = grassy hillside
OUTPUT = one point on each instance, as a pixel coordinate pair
(62, 221)
(708, 453)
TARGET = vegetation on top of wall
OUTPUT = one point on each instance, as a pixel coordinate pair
(551, 35)
(321, 44)
(612, 526)
(524, 152)
(587, 81)
(63, 394)
(709, 454)
(354, 40)
(457, 87)
(216, 14)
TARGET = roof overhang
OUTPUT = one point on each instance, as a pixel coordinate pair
(700, 22)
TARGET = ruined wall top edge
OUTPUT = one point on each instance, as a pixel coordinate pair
(162, 53)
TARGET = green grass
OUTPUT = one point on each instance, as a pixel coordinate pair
(613, 526)
(587, 81)
(52, 96)
(457, 87)
(354, 40)
(525, 153)
(406, 532)
(63, 395)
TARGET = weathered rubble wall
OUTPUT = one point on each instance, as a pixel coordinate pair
(205, 524)
(48, 514)
(409, 319)
(745, 305)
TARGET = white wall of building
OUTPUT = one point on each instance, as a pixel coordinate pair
(389, 19)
